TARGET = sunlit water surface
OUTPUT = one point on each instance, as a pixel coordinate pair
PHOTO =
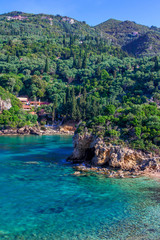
(41, 199)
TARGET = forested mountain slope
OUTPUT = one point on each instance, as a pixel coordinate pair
(84, 75)
(22, 24)
(136, 39)
(125, 34)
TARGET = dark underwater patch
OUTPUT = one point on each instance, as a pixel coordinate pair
(51, 210)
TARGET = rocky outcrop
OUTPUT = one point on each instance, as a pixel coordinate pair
(27, 130)
(22, 131)
(5, 104)
(82, 145)
(94, 152)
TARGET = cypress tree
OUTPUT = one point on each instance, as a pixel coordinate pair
(74, 62)
(79, 64)
(84, 63)
(46, 68)
(156, 66)
(115, 74)
(8, 59)
(80, 101)
(94, 107)
(71, 40)
(64, 99)
(53, 114)
(68, 97)
(80, 91)
(71, 53)
(84, 113)
(98, 71)
(56, 101)
(84, 95)
(80, 53)
(74, 106)
(64, 40)
(79, 115)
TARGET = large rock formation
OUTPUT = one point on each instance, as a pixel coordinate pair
(5, 104)
(95, 152)
(82, 145)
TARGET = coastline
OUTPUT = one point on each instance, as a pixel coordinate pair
(25, 131)
(154, 175)
(92, 155)
(83, 170)
(79, 157)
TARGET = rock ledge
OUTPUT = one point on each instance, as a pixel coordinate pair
(93, 154)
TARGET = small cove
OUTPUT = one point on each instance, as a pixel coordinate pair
(40, 199)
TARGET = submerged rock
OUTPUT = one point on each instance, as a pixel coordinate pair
(50, 210)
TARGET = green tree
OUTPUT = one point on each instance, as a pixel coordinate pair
(46, 68)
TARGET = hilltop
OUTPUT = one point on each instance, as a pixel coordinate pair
(136, 39)
(19, 23)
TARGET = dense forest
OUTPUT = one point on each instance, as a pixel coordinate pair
(85, 76)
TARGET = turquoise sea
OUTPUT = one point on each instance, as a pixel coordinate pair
(40, 199)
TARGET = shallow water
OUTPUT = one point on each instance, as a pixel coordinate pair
(40, 199)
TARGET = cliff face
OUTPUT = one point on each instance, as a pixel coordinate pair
(94, 151)
(5, 104)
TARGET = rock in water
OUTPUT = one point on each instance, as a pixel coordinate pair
(94, 151)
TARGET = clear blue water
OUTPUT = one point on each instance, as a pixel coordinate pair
(40, 199)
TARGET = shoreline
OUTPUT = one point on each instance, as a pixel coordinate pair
(25, 131)
(84, 170)
(154, 175)
(53, 134)
(82, 167)
(91, 155)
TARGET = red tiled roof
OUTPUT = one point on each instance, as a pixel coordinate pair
(26, 107)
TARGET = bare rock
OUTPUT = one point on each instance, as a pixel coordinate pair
(77, 173)
(94, 151)
(35, 131)
(81, 145)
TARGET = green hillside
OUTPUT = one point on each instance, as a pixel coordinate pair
(136, 39)
(113, 32)
(146, 45)
(85, 74)
(41, 25)
(15, 116)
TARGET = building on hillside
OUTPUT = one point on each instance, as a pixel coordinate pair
(23, 100)
(19, 17)
(69, 20)
(45, 17)
(26, 107)
(28, 104)
(33, 113)
(37, 103)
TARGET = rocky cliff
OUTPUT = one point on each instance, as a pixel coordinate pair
(5, 104)
(94, 152)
